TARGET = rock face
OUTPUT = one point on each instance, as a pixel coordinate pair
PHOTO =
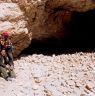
(46, 24)
(38, 19)
(49, 18)
(73, 5)
(13, 20)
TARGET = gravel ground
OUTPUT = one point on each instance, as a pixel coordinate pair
(61, 75)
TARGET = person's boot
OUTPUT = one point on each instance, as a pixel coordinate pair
(12, 74)
(8, 79)
(4, 73)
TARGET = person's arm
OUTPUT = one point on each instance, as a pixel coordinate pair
(9, 43)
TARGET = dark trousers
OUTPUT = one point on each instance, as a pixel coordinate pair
(10, 57)
(3, 71)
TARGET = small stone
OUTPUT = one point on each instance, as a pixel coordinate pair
(86, 91)
(53, 55)
(70, 83)
(89, 86)
(35, 87)
(37, 80)
(48, 93)
(77, 84)
(82, 94)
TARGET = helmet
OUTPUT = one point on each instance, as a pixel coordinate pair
(5, 34)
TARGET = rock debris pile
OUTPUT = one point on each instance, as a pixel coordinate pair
(61, 75)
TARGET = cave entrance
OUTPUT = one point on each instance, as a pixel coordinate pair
(80, 37)
(82, 29)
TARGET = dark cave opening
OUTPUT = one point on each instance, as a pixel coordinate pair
(80, 37)
(82, 29)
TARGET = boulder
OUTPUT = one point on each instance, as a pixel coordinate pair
(49, 18)
(12, 19)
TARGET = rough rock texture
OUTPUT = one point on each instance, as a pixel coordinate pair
(12, 19)
(62, 75)
(49, 18)
(75, 5)
(44, 24)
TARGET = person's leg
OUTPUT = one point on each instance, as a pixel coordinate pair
(12, 74)
(11, 71)
(6, 60)
(3, 72)
(1, 59)
(10, 57)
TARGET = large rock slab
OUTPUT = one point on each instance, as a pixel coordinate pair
(12, 19)
(45, 23)
(49, 18)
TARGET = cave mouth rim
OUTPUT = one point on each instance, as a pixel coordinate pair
(47, 50)
(68, 50)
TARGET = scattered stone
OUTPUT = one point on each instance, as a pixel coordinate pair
(78, 84)
(70, 83)
(82, 94)
(89, 86)
(40, 75)
(38, 80)
(35, 87)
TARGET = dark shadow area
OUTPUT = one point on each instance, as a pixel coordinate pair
(82, 29)
(80, 37)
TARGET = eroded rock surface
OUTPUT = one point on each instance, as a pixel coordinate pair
(12, 19)
(75, 5)
(49, 18)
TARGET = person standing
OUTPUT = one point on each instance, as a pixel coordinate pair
(6, 48)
